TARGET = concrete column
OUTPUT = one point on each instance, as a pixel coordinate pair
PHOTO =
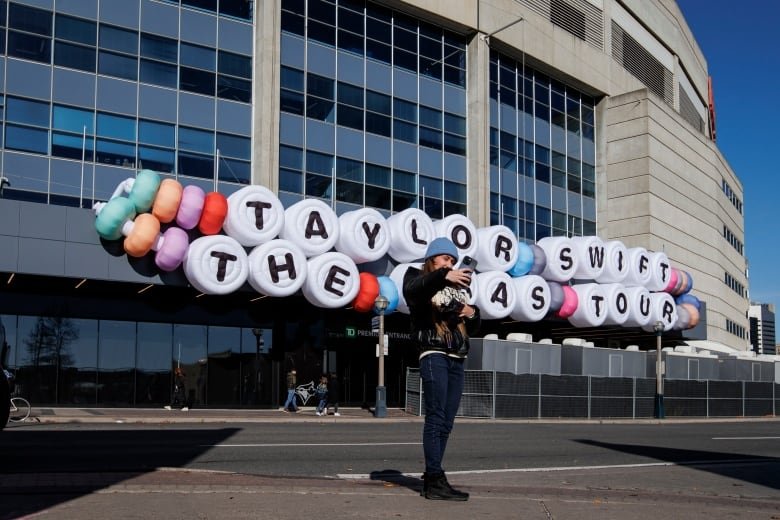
(478, 146)
(265, 94)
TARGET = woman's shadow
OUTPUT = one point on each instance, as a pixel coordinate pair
(395, 477)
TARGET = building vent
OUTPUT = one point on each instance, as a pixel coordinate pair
(579, 18)
(688, 110)
(641, 64)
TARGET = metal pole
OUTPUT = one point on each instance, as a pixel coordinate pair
(381, 397)
(659, 382)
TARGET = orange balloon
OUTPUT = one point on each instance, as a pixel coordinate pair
(167, 201)
(214, 212)
(146, 229)
(369, 290)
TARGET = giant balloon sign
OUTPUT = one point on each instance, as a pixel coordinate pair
(337, 261)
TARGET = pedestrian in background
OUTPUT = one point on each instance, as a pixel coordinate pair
(179, 397)
(441, 320)
(292, 381)
(334, 390)
(321, 393)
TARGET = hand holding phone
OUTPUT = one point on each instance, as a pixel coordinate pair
(469, 263)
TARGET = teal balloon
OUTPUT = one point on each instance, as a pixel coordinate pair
(145, 190)
(113, 215)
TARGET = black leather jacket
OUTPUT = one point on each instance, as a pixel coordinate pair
(418, 290)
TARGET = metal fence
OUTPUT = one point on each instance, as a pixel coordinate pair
(503, 395)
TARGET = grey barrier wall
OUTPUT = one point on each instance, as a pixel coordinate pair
(604, 362)
(514, 356)
(504, 395)
(686, 367)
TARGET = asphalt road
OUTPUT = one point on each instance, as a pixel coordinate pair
(550, 470)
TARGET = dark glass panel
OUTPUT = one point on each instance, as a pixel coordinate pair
(380, 125)
(404, 110)
(319, 163)
(377, 102)
(189, 353)
(208, 5)
(402, 201)
(74, 56)
(234, 170)
(318, 185)
(322, 33)
(350, 95)
(293, 23)
(380, 31)
(196, 165)
(290, 180)
(114, 152)
(75, 29)
(406, 60)
(405, 131)
(318, 108)
(152, 132)
(198, 81)
(454, 124)
(291, 102)
(320, 86)
(351, 21)
(379, 51)
(159, 159)
(157, 73)
(118, 65)
(29, 47)
(27, 111)
(292, 79)
(404, 181)
(379, 175)
(350, 170)
(454, 144)
(350, 42)
(235, 64)
(116, 363)
(351, 192)
(430, 138)
(116, 127)
(350, 117)
(26, 139)
(159, 48)
(153, 365)
(196, 140)
(234, 146)
(72, 146)
(117, 39)
(322, 11)
(377, 197)
(238, 8)
(224, 366)
(198, 57)
(29, 19)
(234, 89)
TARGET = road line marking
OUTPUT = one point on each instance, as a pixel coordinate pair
(744, 438)
(565, 468)
(304, 444)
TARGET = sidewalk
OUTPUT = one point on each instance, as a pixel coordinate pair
(203, 415)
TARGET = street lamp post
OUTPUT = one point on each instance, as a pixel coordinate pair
(658, 411)
(380, 410)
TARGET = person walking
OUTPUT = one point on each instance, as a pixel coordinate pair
(292, 381)
(321, 393)
(441, 322)
(334, 389)
(179, 397)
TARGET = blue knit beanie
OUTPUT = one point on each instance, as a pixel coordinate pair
(441, 246)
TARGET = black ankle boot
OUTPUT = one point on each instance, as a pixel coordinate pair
(424, 489)
(436, 488)
(453, 490)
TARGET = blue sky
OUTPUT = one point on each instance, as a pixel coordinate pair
(739, 40)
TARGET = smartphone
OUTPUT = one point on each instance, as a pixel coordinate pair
(468, 263)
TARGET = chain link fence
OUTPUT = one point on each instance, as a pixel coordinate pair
(503, 395)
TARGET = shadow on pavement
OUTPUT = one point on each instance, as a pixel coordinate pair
(731, 465)
(93, 460)
(393, 476)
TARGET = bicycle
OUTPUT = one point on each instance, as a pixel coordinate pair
(20, 409)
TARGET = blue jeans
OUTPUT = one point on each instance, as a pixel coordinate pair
(442, 380)
(290, 402)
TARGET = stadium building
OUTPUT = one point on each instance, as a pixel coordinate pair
(550, 117)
